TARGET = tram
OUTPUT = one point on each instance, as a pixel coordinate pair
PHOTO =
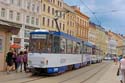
(52, 52)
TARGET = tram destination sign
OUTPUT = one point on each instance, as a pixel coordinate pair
(39, 36)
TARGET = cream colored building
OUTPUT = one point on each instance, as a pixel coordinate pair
(49, 8)
(70, 20)
(101, 39)
(23, 14)
(92, 33)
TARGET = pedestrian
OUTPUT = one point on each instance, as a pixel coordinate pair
(25, 60)
(14, 59)
(19, 61)
(119, 72)
(122, 69)
(115, 59)
(9, 61)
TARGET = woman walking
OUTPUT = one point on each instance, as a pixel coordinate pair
(19, 61)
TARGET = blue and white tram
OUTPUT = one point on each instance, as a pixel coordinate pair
(53, 52)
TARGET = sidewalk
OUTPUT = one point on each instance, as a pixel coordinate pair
(110, 76)
(12, 76)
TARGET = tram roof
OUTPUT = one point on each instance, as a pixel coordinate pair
(89, 44)
(62, 34)
(67, 36)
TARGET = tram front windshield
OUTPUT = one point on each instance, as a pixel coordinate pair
(39, 43)
(44, 43)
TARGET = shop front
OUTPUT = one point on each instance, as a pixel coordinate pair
(5, 36)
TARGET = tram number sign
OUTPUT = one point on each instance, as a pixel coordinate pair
(39, 36)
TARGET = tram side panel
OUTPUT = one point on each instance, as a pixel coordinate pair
(54, 63)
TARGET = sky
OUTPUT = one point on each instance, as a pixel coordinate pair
(110, 14)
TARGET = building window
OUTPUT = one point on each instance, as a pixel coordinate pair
(52, 24)
(11, 1)
(48, 22)
(44, 7)
(3, 12)
(53, 1)
(38, 9)
(32, 20)
(27, 19)
(28, 5)
(53, 11)
(33, 7)
(60, 25)
(11, 14)
(18, 17)
(43, 21)
(63, 27)
(48, 9)
(19, 3)
(37, 21)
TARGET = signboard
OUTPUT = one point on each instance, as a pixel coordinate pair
(39, 36)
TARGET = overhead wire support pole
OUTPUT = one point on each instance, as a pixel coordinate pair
(59, 15)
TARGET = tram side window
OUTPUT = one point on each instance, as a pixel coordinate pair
(63, 45)
(50, 43)
(69, 46)
(77, 48)
(56, 45)
(84, 49)
(74, 47)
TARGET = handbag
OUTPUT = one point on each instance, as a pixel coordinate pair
(118, 71)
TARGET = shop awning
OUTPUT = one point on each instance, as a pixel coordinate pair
(15, 46)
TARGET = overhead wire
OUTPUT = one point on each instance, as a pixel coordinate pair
(94, 14)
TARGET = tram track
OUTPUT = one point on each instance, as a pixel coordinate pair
(28, 79)
(77, 75)
(84, 72)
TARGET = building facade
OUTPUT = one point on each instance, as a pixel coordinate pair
(101, 39)
(23, 14)
(50, 10)
(6, 32)
(70, 19)
(119, 39)
(82, 24)
(92, 33)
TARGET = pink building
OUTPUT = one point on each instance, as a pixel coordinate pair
(5, 36)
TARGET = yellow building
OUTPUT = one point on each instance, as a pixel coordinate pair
(119, 39)
(81, 24)
(70, 19)
(92, 33)
(49, 9)
(101, 39)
